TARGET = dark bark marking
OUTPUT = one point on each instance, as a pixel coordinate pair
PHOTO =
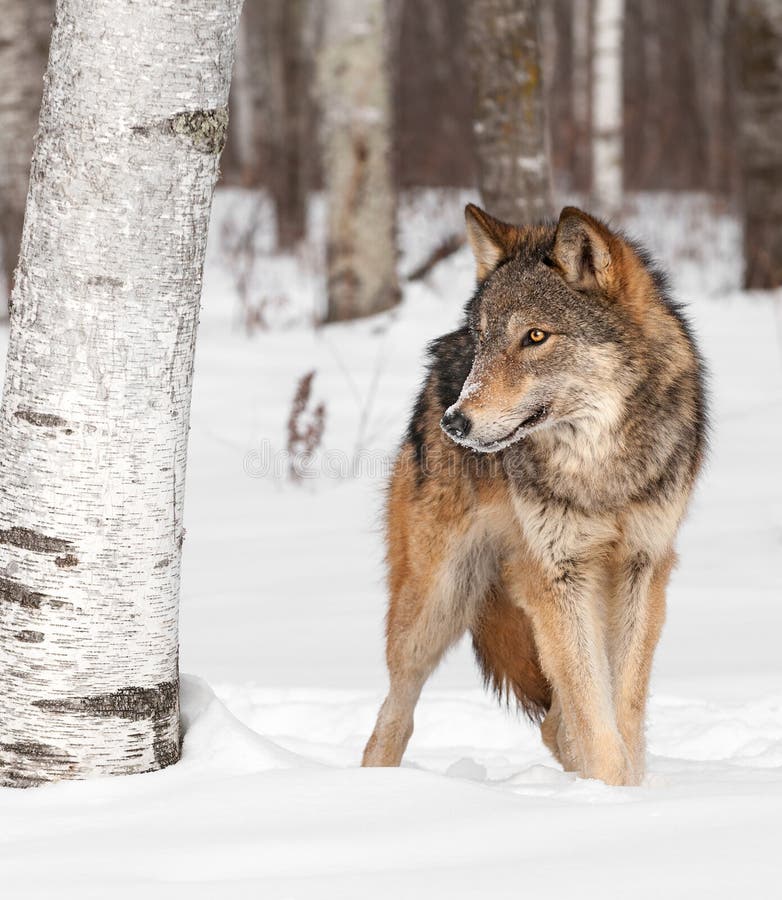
(206, 129)
(13, 592)
(66, 562)
(166, 749)
(105, 281)
(34, 750)
(17, 758)
(27, 539)
(134, 703)
(162, 563)
(29, 637)
(19, 779)
(42, 420)
(59, 604)
(156, 704)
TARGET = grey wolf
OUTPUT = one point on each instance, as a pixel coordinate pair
(537, 494)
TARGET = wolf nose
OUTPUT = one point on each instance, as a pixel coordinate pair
(456, 424)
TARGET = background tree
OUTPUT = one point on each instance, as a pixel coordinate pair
(716, 42)
(249, 99)
(581, 91)
(94, 418)
(288, 50)
(607, 133)
(514, 173)
(24, 44)
(677, 84)
(760, 134)
(356, 110)
(433, 104)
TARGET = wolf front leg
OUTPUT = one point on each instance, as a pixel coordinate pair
(564, 605)
(554, 734)
(636, 617)
(422, 625)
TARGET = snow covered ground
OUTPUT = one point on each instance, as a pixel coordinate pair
(282, 615)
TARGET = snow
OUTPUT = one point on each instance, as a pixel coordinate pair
(282, 614)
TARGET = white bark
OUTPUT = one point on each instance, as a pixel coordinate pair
(607, 105)
(24, 43)
(356, 109)
(94, 418)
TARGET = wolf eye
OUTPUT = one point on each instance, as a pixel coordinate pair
(534, 336)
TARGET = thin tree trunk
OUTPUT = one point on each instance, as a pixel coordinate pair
(715, 90)
(607, 105)
(728, 171)
(94, 417)
(361, 254)
(249, 94)
(514, 173)
(582, 94)
(288, 131)
(760, 134)
(25, 26)
(556, 55)
(652, 122)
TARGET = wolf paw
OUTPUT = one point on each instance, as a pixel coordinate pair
(614, 765)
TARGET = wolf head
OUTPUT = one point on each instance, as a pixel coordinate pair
(554, 321)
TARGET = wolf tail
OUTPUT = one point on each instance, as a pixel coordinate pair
(505, 649)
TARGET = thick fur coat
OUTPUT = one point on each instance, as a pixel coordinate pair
(536, 497)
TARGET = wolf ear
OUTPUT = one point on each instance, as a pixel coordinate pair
(492, 241)
(582, 251)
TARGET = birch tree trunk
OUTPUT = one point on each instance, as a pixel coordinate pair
(94, 417)
(514, 173)
(356, 113)
(607, 133)
(24, 43)
(760, 139)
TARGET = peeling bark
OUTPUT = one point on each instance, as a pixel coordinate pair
(94, 418)
(514, 172)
